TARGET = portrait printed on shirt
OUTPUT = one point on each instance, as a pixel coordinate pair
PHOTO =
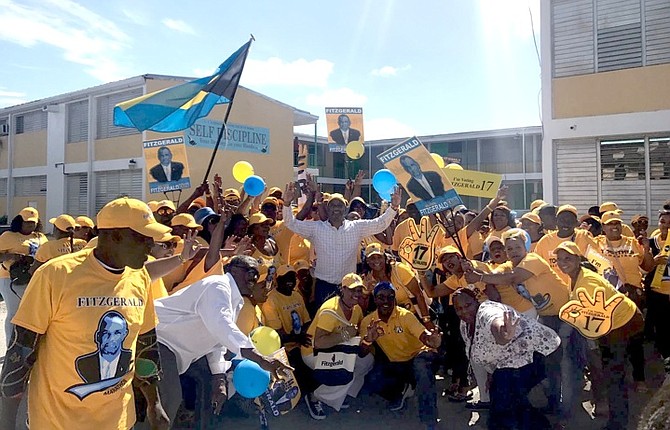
(345, 125)
(416, 170)
(109, 362)
(167, 165)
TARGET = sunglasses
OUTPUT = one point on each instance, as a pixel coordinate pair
(164, 211)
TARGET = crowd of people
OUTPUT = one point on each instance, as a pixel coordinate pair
(138, 320)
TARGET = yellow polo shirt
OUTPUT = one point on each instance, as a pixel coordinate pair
(400, 341)
(329, 323)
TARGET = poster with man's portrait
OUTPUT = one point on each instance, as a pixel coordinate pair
(166, 164)
(345, 125)
(416, 170)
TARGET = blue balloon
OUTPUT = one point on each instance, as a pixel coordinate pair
(383, 181)
(254, 185)
(386, 197)
(250, 380)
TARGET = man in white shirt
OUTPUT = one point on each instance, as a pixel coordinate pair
(167, 170)
(337, 240)
(200, 321)
(422, 185)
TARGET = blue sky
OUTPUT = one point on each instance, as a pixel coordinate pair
(416, 67)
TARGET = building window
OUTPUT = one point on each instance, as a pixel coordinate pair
(77, 122)
(117, 183)
(19, 125)
(76, 194)
(105, 117)
(3, 187)
(28, 186)
(590, 36)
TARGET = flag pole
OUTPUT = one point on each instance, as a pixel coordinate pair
(225, 118)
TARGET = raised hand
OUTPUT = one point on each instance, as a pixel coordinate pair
(395, 198)
(191, 246)
(289, 193)
(508, 328)
(418, 249)
(592, 316)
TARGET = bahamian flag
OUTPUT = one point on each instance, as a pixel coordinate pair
(178, 107)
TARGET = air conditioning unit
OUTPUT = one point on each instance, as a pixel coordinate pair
(4, 129)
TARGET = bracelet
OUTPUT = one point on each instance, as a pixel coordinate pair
(365, 342)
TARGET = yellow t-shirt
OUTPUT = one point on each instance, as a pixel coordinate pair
(626, 230)
(590, 280)
(250, 317)
(198, 273)
(508, 294)
(299, 249)
(400, 341)
(545, 290)
(57, 247)
(92, 243)
(475, 245)
(444, 240)
(401, 275)
(628, 252)
(328, 322)
(282, 236)
(454, 283)
(80, 309)
(285, 312)
(17, 243)
(158, 289)
(546, 246)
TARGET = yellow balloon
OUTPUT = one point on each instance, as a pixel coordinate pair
(438, 159)
(454, 166)
(242, 170)
(355, 149)
(265, 339)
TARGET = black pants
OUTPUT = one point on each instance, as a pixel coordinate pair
(658, 321)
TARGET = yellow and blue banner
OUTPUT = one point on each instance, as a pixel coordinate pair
(177, 108)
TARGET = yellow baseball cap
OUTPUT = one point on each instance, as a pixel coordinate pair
(532, 217)
(186, 220)
(567, 208)
(489, 240)
(169, 238)
(536, 204)
(259, 218)
(270, 200)
(263, 270)
(301, 265)
(274, 190)
(610, 216)
(608, 206)
(155, 205)
(63, 222)
(284, 269)
(373, 249)
(338, 196)
(29, 214)
(352, 281)
(84, 221)
(449, 249)
(569, 247)
(133, 214)
(231, 193)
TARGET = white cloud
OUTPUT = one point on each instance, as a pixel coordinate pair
(84, 37)
(199, 72)
(275, 71)
(387, 71)
(386, 128)
(337, 97)
(11, 98)
(135, 16)
(178, 25)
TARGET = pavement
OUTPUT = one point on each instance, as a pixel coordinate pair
(371, 412)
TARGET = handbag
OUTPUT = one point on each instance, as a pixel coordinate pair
(335, 365)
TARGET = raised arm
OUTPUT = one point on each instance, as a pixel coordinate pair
(477, 221)
(305, 229)
(371, 227)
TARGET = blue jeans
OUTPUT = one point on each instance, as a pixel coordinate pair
(323, 291)
(564, 368)
(510, 408)
(388, 379)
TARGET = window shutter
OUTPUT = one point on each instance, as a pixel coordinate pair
(619, 34)
(576, 173)
(105, 118)
(3, 187)
(657, 31)
(623, 175)
(77, 121)
(31, 122)
(76, 198)
(572, 26)
(116, 183)
(28, 186)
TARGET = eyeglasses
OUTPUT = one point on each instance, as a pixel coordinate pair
(164, 211)
(248, 271)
